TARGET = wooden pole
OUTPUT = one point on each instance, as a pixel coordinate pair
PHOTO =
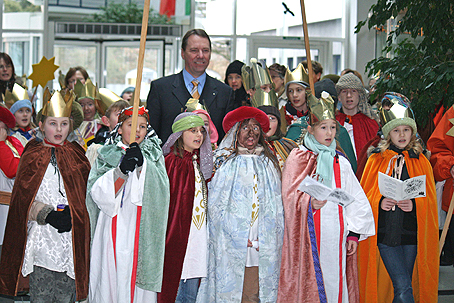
(446, 226)
(33, 97)
(308, 48)
(143, 39)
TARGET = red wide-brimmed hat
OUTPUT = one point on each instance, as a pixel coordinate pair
(7, 117)
(243, 113)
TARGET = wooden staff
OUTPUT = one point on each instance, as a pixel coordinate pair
(446, 226)
(308, 48)
(143, 39)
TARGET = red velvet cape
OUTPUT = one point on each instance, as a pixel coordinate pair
(182, 189)
(74, 168)
(364, 129)
(363, 156)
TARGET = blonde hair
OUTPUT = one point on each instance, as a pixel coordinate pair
(413, 144)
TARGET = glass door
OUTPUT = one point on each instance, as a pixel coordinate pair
(290, 51)
(77, 53)
(120, 60)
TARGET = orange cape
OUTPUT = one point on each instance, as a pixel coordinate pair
(441, 145)
(374, 282)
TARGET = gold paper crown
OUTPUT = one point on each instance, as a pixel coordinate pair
(22, 81)
(87, 90)
(194, 104)
(254, 77)
(108, 98)
(321, 109)
(58, 104)
(298, 74)
(18, 93)
(398, 110)
(261, 97)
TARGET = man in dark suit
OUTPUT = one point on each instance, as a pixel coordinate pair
(168, 96)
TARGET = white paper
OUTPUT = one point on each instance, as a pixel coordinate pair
(402, 190)
(321, 192)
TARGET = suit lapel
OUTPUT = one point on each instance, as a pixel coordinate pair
(209, 93)
(179, 91)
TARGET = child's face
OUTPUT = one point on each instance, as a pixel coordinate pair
(296, 93)
(141, 131)
(89, 108)
(234, 80)
(193, 138)
(349, 98)
(127, 96)
(55, 129)
(249, 134)
(401, 136)
(325, 132)
(23, 117)
(273, 126)
(113, 119)
(206, 121)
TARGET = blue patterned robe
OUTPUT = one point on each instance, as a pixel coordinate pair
(229, 215)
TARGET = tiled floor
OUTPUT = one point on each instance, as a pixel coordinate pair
(445, 286)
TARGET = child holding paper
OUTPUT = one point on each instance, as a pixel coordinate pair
(321, 237)
(407, 231)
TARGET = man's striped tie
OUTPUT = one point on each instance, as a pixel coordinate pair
(194, 92)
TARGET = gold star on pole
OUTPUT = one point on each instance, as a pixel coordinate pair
(451, 131)
(43, 72)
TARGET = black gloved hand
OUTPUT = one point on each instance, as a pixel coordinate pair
(132, 158)
(60, 220)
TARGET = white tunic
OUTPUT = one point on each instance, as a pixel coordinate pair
(6, 184)
(349, 129)
(46, 247)
(334, 225)
(195, 259)
(252, 258)
(112, 268)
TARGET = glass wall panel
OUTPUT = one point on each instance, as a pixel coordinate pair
(286, 56)
(19, 51)
(121, 68)
(220, 57)
(70, 55)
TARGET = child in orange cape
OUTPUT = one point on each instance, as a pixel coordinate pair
(404, 251)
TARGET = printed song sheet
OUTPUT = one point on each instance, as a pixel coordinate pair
(321, 192)
(402, 190)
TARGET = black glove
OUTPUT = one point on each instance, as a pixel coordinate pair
(132, 158)
(60, 220)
